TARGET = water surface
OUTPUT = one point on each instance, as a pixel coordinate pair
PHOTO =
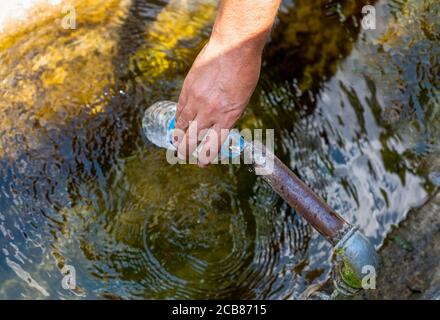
(355, 113)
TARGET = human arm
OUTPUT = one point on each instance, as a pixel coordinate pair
(224, 75)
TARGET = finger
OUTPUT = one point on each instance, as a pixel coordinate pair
(183, 151)
(182, 123)
(212, 144)
(195, 133)
(181, 103)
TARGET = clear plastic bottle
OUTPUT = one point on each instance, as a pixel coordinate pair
(158, 125)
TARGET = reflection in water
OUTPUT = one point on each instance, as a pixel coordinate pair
(80, 186)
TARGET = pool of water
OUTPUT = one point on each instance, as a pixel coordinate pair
(355, 112)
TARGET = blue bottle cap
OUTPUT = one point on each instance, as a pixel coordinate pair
(170, 130)
(233, 146)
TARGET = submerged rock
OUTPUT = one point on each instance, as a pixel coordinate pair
(411, 257)
(50, 74)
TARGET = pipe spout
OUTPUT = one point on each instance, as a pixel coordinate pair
(354, 255)
(356, 263)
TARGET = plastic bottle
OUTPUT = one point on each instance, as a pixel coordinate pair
(158, 126)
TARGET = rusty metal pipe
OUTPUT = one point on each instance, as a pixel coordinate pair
(297, 194)
(352, 253)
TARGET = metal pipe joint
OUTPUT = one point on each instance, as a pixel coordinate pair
(356, 263)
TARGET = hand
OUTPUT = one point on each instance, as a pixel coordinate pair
(215, 93)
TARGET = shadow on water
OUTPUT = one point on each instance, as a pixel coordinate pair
(81, 187)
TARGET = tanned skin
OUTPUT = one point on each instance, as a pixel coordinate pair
(223, 77)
